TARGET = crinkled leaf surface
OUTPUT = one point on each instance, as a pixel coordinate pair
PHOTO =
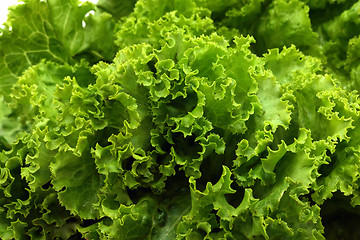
(178, 119)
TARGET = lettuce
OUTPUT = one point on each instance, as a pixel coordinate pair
(175, 119)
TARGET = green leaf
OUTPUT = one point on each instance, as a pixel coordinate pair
(118, 9)
(81, 185)
(286, 23)
(40, 30)
(144, 25)
(9, 127)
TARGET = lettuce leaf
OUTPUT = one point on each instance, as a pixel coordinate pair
(40, 30)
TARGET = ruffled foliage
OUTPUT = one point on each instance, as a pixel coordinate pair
(178, 119)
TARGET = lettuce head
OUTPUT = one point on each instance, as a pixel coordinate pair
(180, 119)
